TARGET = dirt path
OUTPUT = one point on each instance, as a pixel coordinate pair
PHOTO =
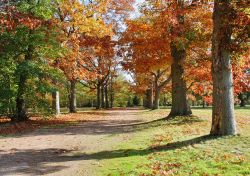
(60, 150)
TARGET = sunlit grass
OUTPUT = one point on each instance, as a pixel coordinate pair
(180, 147)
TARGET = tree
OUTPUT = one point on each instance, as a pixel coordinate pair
(229, 34)
(76, 21)
(147, 55)
(242, 78)
(101, 65)
(176, 27)
(29, 46)
(223, 103)
(136, 100)
(185, 23)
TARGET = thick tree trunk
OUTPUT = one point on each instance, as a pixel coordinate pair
(223, 121)
(98, 96)
(72, 97)
(148, 103)
(106, 97)
(21, 112)
(56, 102)
(180, 106)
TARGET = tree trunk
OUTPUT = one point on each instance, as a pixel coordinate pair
(164, 101)
(106, 97)
(151, 97)
(157, 92)
(56, 102)
(180, 106)
(156, 98)
(98, 96)
(203, 104)
(242, 100)
(102, 97)
(21, 112)
(148, 103)
(72, 97)
(111, 93)
(223, 121)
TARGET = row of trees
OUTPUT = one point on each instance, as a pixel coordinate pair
(48, 44)
(181, 41)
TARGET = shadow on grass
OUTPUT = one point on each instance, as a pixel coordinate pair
(141, 152)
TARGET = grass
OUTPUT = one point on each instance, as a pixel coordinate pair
(180, 147)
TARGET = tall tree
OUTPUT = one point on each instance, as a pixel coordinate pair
(147, 55)
(30, 47)
(77, 20)
(229, 29)
(182, 22)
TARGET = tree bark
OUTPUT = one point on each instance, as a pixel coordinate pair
(180, 106)
(164, 101)
(203, 104)
(21, 112)
(72, 97)
(111, 92)
(56, 102)
(98, 96)
(156, 98)
(157, 91)
(151, 97)
(102, 97)
(106, 97)
(148, 103)
(223, 120)
(242, 100)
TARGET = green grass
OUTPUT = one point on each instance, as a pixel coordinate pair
(180, 147)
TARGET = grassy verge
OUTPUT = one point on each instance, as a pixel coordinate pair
(180, 147)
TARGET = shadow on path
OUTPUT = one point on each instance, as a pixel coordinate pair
(30, 162)
(146, 151)
(107, 127)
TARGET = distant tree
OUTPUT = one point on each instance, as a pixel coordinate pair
(136, 100)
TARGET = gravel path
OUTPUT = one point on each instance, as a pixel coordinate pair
(63, 151)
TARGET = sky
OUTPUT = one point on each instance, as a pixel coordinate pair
(136, 13)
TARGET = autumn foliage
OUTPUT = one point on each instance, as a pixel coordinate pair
(169, 47)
